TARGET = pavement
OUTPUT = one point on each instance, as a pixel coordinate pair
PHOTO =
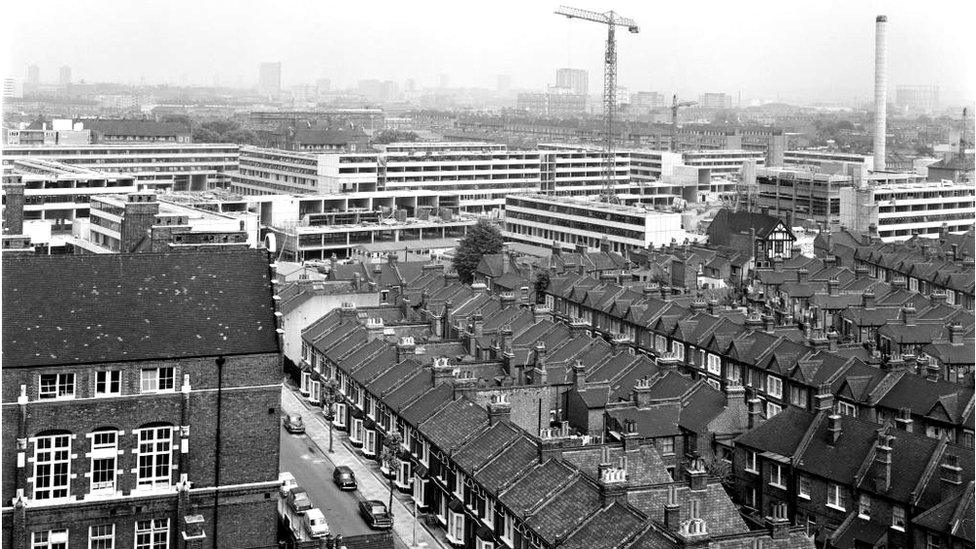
(312, 467)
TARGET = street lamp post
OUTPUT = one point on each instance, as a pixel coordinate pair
(330, 395)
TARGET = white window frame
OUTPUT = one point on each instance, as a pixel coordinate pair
(482, 544)
(772, 409)
(732, 374)
(864, 507)
(104, 380)
(459, 485)
(154, 449)
(64, 386)
(151, 380)
(489, 515)
(714, 364)
(369, 442)
(798, 396)
(508, 528)
(846, 408)
(104, 448)
(834, 498)
(800, 492)
(356, 431)
(419, 487)
(339, 415)
(752, 464)
(455, 524)
(664, 444)
(776, 476)
(52, 461)
(157, 531)
(97, 540)
(679, 350)
(50, 539)
(774, 386)
(424, 453)
(895, 518)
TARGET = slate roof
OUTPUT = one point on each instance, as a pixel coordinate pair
(727, 223)
(408, 390)
(479, 449)
(780, 434)
(452, 424)
(79, 309)
(428, 404)
(644, 465)
(606, 528)
(954, 515)
(501, 469)
(720, 514)
(579, 499)
(530, 490)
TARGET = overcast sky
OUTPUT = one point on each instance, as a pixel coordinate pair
(768, 48)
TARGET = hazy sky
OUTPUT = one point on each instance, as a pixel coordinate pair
(765, 48)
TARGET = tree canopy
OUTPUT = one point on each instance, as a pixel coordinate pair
(483, 238)
(395, 136)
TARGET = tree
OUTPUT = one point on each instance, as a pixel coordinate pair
(330, 396)
(483, 238)
(541, 285)
(395, 136)
(390, 458)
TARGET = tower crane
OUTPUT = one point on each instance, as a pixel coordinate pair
(675, 104)
(612, 20)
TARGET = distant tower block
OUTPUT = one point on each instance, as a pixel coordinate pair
(880, 91)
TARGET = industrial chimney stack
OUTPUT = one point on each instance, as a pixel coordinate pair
(880, 91)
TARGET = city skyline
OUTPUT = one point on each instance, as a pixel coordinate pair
(926, 47)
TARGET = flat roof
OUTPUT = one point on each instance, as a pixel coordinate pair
(591, 204)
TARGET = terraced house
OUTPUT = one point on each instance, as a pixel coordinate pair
(928, 265)
(781, 365)
(856, 483)
(490, 481)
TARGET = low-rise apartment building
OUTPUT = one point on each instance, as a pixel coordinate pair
(902, 210)
(177, 166)
(541, 219)
(59, 193)
(138, 222)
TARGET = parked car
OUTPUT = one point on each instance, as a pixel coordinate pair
(294, 424)
(298, 500)
(344, 478)
(375, 514)
(288, 482)
(314, 522)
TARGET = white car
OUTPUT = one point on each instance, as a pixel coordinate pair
(315, 524)
(287, 481)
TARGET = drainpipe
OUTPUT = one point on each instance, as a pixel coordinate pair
(220, 387)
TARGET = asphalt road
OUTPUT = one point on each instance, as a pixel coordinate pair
(313, 472)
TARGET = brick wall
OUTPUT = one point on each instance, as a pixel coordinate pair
(250, 417)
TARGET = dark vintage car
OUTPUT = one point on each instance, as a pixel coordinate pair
(298, 500)
(344, 478)
(293, 423)
(375, 514)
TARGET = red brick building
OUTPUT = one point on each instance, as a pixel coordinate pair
(140, 401)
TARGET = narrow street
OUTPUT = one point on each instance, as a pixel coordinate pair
(307, 458)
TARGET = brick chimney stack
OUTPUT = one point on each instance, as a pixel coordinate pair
(13, 210)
